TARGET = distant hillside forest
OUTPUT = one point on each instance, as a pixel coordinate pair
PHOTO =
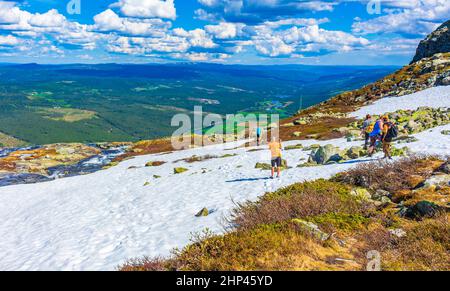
(42, 104)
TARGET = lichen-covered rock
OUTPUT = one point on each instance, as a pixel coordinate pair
(326, 154)
(203, 212)
(445, 168)
(179, 170)
(311, 147)
(379, 195)
(294, 147)
(266, 166)
(300, 121)
(361, 193)
(396, 152)
(39, 160)
(155, 164)
(312, 229)
(437, 181)
(398, 232)
(356, 152)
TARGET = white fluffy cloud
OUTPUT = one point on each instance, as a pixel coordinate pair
(109, 21)
(272, 28)
(224, 30)
(411, 17)
(197, 37)
(273, 46)
(147, 8)
(52, 18)
(311, 38)
(8, 40)
(37, 26)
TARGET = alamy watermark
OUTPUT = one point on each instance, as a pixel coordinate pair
(74, 7)
(374, 261)
(374, 7)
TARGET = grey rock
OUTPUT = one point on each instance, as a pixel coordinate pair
(437, 42)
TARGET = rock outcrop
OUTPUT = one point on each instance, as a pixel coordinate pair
(39, 160)
(437, 42)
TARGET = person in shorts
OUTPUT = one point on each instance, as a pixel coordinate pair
(275, 150)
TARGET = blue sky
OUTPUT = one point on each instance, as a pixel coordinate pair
(322, 32)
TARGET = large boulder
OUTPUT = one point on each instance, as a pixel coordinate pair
(437, 181)
(445, 168)
(356, 152)
(413, 126)
(326, 154)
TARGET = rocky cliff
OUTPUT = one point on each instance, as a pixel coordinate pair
(437, 42)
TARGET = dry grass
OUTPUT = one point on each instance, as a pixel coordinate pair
(144, 264)
(405, 174)
(267, 247)
(425, 247)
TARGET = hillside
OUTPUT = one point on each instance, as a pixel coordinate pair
(214, 208)
(115, 102)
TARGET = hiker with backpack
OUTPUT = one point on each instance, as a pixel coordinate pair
(375, 136)
(366, 129)
(390, 131)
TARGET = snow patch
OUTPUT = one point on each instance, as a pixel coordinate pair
(435, 97)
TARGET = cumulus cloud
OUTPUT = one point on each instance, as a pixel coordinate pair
(50, 24)
(272, 42)
(417, 17)
(200, 57)
(8, 40)
(271, 28)
(257, 11)
(224, 30)
(197, 37)
(147, 8)
(109, 21)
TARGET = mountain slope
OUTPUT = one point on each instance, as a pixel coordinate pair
(437, 42)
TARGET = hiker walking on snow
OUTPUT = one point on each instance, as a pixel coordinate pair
(390, 132)
(275, 150)
(366, 129)
(258, 135)
(375, 136)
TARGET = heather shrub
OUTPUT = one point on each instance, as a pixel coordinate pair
(426, 246)
(300, 200)
(406, 173)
